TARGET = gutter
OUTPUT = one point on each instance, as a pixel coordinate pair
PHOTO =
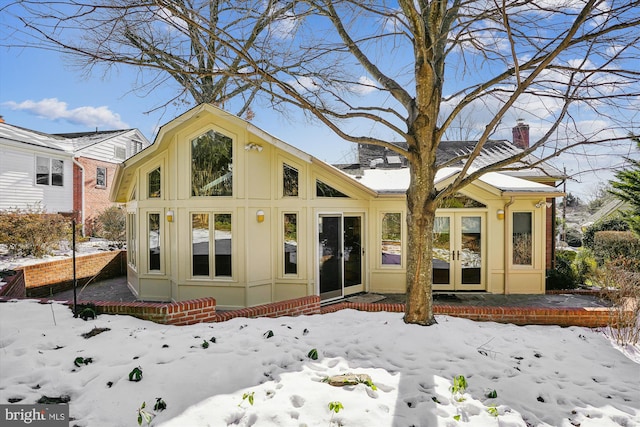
(75, 162)
(506, 245)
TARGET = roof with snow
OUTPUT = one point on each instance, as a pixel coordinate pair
(397, 181)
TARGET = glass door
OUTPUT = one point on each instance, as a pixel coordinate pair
(330, 253)
(442, 253)
(470, 244)
(457, 255)
(352, 259)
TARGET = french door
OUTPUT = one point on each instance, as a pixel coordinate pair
(458, 252)
(340, 255)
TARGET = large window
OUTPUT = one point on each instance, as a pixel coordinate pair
(101, 177)
(49, 171)
(154, 242)
(289, 181)
(522, 238)
(391, 238)
(290, 243)
(202, 248)
(211, 165)
(154, 183)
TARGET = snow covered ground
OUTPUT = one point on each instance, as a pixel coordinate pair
(541, 375)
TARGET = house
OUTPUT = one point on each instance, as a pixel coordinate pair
(216, 207)
(63, 173)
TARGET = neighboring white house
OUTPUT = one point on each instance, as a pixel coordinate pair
(63, 173)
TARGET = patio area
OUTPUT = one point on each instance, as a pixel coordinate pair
(116, 290)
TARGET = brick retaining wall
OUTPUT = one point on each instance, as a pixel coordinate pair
(583, 316)
(47, 278)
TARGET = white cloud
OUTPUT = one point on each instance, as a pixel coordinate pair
(53, 109)
(364, 86)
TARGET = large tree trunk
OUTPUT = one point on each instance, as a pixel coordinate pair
(421, 211)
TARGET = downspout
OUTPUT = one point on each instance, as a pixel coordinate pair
(75, 162)
(506, 245)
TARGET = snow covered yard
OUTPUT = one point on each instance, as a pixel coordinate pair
(542, 376)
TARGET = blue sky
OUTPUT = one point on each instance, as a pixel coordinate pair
(40, 91)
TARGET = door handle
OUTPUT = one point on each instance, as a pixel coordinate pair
(453, 255)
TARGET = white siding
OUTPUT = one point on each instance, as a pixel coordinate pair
(18, 187)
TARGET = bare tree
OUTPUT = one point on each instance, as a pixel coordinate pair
(571, 65)
(398, 75)
(167, 40)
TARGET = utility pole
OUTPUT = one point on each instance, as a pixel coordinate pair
(73, 250)
(564, 206)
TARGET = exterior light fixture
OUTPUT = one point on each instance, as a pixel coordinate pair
(260, 215)
(253, 146)
(170, 215)
(500, 214)
(542, 203)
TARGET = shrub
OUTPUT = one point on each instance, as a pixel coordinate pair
(584, 265)
(610, 245)
(111, 224)
(562, 277)
(610, 224)
(623, 284)
(32, 231)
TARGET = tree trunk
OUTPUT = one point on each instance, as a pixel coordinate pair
(421, 211)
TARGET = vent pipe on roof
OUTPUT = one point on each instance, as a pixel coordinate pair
(521, 134)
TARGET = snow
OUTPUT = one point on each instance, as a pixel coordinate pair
(397, 180)
(543, 375)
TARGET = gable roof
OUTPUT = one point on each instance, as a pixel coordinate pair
(126, 170)
(16, 135)
(69, 143)
(83, 140)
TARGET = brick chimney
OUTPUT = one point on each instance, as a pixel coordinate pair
(521, 134)
(1, 119)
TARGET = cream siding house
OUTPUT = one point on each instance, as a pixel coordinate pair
(218, 208)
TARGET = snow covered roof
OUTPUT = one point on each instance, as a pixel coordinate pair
(397, 181)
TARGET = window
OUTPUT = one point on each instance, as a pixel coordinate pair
(154, 242)
(325, 190)
(211, 165)
(137, 147)
(289, 181)
(222, 233)
(522, 238)
(391, 238)
(154, 183)
(459, 201)
(131, 239)
(119, 153)
(200, 242)
(49, 171)
(101, 177)
(290, 243)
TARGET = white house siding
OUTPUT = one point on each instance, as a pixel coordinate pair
(18, 187)
(105, 150)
